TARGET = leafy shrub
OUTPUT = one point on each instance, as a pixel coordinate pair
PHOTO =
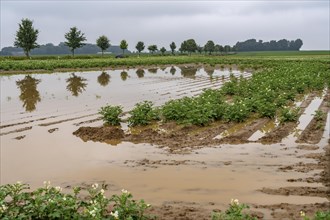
(289, 114)
(199, 110)
(234, 212)
(142, 114)
(50, 203)
(110, 114)
(237, 112)
(266, 109)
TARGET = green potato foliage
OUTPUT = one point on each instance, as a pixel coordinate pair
(110, 114)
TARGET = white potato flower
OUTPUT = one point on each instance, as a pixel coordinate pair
(115, 214)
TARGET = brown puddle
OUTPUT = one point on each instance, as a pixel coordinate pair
(207, 176)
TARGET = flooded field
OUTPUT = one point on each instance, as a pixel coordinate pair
(259, 162)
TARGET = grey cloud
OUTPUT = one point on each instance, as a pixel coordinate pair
(162, 22)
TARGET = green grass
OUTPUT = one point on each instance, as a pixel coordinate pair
(242, 60)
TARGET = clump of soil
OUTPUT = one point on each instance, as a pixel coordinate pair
(307, 147)
(52, 130)
(20, 137)
(157, 163)
(102, 134)
(176, 138)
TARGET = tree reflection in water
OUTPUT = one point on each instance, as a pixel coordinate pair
(123, 75)
(209, 71)
(189, 72)
(103, 79)
(29, 93)
(140, 73)
(76, 84)
(153, 70)
(172, 70)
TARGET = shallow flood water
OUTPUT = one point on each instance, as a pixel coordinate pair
(39, 112)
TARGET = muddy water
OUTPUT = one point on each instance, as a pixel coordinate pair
(52, 106)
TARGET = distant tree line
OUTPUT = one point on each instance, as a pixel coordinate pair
(27, 35)
(273, 45)
(61, 49)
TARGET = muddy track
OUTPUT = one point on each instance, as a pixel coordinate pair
(26, 122)
(315, 129)
(284, 129)
(242, 135)
(16, 131)
(298, 191)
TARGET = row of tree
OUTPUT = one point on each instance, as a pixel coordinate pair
(61, 49)
(27, 35)
(273, 45)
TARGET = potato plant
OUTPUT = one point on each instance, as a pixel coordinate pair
(142, 114)
(48, 202)
(110, 114)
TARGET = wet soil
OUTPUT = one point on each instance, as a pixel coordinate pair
(284, 129)
(299, 191)
(105, 134)
(176, 138)
(292, 211)
(180, 212)
(315, 129)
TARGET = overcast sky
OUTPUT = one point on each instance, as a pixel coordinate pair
(161, 22)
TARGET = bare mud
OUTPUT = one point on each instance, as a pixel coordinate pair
(292, 211)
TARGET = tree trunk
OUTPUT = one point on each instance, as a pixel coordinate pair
(72, 52)
(123, 51)
(27, 54)
(102, 52)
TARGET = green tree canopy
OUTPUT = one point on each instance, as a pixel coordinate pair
(103, 43)
(173, 47)
(162, 50)
(183, 47)
(74, 39)
(227, 48)
(191, 46)
(217, 48)
(209, 46)
(152, 48)
(140, 46)
(26, 36)
(200, 49)
(123, 45)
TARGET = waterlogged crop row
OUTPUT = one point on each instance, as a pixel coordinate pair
(267, 94)
(53, 64)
